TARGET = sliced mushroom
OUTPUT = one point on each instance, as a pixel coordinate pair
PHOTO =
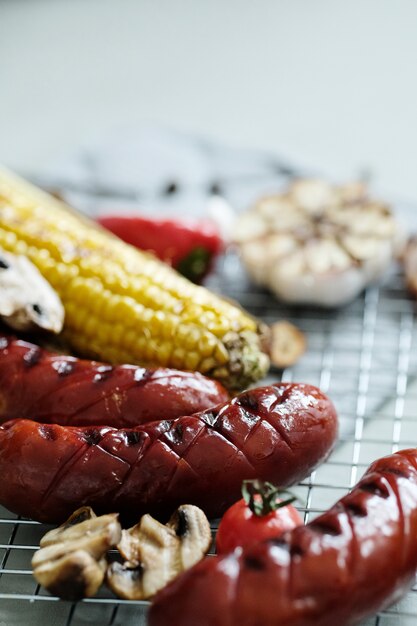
(318, 243)
(410, 265)
(71, 561)
(82, 514)
(70, 576)
(27, 301)
(155, 553)
(288, 343)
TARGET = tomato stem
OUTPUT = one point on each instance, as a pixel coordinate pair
(263, 497)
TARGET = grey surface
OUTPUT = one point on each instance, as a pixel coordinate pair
(328, 82)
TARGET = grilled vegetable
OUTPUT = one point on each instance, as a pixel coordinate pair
(36, 384)
(71, 560)
(190, 246)
(317, 243)
(278, 433)
(123, 305)
(410, 265)
(27, 301)
(355, 559)
(286, 344)
(156, 553)
(259, 515)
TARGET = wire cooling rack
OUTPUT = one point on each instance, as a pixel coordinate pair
(364, 356)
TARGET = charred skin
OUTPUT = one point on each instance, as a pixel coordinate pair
(278, 433)
(45, 387)
(352, 561)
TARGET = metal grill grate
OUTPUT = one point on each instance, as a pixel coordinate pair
(363, 356)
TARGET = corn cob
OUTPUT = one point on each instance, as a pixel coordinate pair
(121, 304)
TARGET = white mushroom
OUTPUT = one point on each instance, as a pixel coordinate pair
(318, 243)
(27, 300)
(155, 553)
(71, 561)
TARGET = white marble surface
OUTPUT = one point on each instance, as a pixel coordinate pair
(326, 82)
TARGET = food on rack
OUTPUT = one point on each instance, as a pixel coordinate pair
(36, 384)
(354, 560)
(264, 511)
(277, 433)
(156, 553)
(71, 562)
(410, 265)
(123, 305)
(27, 300)
(318, 243)
(287, 344)
(190, 246)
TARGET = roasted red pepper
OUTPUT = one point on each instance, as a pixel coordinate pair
(190, 246)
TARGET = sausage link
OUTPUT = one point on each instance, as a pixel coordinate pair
(45, 387)
(278, 433)
(352, 561)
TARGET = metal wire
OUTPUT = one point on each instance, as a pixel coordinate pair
(363, 356)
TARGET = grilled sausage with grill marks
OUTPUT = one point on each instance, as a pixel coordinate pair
(278, 433)
(352, 561)
(38, 385)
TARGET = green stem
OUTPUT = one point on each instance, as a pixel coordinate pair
(263, 497)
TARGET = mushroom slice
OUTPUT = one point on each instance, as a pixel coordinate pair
(80, 515)
(410, 265)
(288, 343)
(71, 560)
(27, 300)
(318, 243)
(70, 576)
(155, 553)
(193, 531)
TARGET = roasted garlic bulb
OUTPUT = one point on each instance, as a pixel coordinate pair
(318, 243)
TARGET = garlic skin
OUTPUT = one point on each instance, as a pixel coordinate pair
(318, 243)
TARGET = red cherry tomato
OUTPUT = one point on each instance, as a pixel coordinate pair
(241, 526)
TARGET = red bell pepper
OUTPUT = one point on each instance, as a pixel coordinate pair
(190, 246)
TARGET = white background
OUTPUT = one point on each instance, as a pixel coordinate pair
(330, 83)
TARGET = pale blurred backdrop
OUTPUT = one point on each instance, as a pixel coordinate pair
(328, 83)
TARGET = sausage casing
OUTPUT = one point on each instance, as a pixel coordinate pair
(352, 561)
(278, 433)
(38, 385)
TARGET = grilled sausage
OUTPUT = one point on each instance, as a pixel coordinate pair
(277, 433)
(352, 561)
(45, 387)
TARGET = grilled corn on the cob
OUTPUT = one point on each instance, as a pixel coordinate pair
(123, 305)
